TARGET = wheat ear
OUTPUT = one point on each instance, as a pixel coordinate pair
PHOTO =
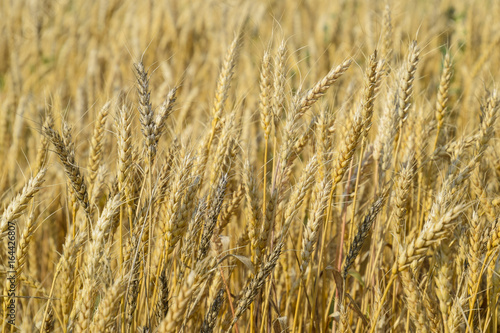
(19, 204)
(362, 233)
(71, 168)
(96, 144)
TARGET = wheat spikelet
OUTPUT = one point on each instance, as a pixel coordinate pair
(406, 85)
(362, 233)
(48, 325)
(371, 85)
(255, 284)
(437, 225)
(347, 148)
(476, 249)
(211, 316)
(213, 215)
(191, 238)
(169, 227)
(265, 95)
(180, 303)
(489, 113)
(83, 310)
(414, 302)
(108, 306)
(124, 140)
(230, 209)
(442, 97)
(311, 231)
(443, 280)
(43, 150)
(162, 305)
(96, 144)
(146, 112)
(24, 243)
(165, 111)
(387, 34)
(19, 204)
(65, 283)
(299, 193)
(70, 167)
(324, 140)
(223, 84)
(402, 189)
(279, 81)
(253, 205)
(320, 88)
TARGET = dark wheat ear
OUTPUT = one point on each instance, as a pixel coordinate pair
(210, 320)
(76, 179)
(363, 231)
(162, 304)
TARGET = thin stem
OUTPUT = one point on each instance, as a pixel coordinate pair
(120, 226)
(297, 308)
(265, 179)
(73, 218)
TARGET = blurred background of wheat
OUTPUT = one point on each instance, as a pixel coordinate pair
(250, 166)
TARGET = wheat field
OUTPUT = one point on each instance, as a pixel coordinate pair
(249, 166)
